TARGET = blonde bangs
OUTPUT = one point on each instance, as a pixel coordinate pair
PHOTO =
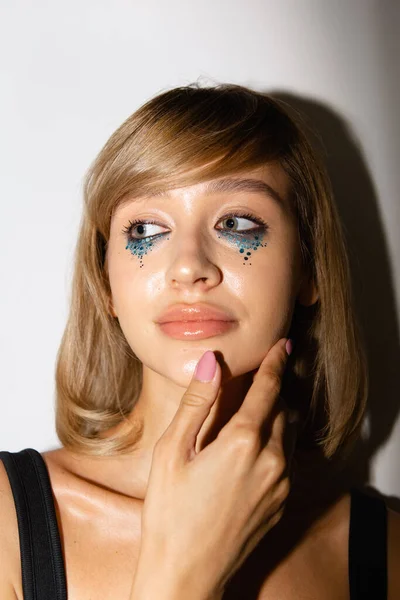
(181, 138)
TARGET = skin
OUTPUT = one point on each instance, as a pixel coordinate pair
(99, 500)
(195, 264)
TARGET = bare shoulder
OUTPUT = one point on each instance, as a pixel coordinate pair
(393, 554)
(9, 540)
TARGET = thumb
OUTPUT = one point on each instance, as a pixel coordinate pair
(194, 407)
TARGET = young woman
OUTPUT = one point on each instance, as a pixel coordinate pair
(208, 232)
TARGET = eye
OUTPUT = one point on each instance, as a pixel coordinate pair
(141, 226)
(233, 219)
(232, 223)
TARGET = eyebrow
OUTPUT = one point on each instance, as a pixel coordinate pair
(233, 185)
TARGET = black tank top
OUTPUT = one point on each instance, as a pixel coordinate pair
(42, 562)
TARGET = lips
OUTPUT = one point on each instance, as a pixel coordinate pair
(196, 330)
(195, 312)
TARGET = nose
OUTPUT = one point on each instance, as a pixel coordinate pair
(193, 264)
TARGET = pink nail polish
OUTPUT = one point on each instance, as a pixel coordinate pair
(205, 369)
(289, 346)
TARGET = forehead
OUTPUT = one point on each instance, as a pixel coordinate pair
(269, 181)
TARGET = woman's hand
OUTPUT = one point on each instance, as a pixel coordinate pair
(205, 512)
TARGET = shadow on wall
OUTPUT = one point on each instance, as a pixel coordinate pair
(374, 295)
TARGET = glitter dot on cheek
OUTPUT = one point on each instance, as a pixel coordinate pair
(140, 248)
(250, 242)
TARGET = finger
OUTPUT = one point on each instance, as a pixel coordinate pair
(264, 391)
(193, 409)
(282, 440)
(283, 434)
(291, 435)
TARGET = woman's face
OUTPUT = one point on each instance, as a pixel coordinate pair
(207, 252)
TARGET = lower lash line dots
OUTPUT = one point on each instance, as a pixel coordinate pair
(254, 241)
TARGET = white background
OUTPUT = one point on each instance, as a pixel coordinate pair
(71, 72)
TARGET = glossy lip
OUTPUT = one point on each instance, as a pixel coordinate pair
(196, 330)
(194, 312)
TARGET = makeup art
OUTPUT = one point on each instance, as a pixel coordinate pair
(253, 242)
(249, 239)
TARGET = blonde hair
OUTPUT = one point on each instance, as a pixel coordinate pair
(181, 137)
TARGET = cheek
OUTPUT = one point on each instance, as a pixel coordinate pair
(269, 289)
(125, 290)
(131, 306)
(134, 293)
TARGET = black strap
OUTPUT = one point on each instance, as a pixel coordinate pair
(42, 563)
(367, 547)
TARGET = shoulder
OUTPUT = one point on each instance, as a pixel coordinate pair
(393, 554)
(9, 539)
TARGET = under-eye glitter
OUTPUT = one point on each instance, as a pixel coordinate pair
(140, 248)
(250, 241)
(243, 241)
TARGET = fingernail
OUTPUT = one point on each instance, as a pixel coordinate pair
(289, 346)
(206, 367)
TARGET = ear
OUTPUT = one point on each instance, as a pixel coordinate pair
(308, 293)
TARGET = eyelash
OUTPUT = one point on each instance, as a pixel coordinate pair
(260, 222)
